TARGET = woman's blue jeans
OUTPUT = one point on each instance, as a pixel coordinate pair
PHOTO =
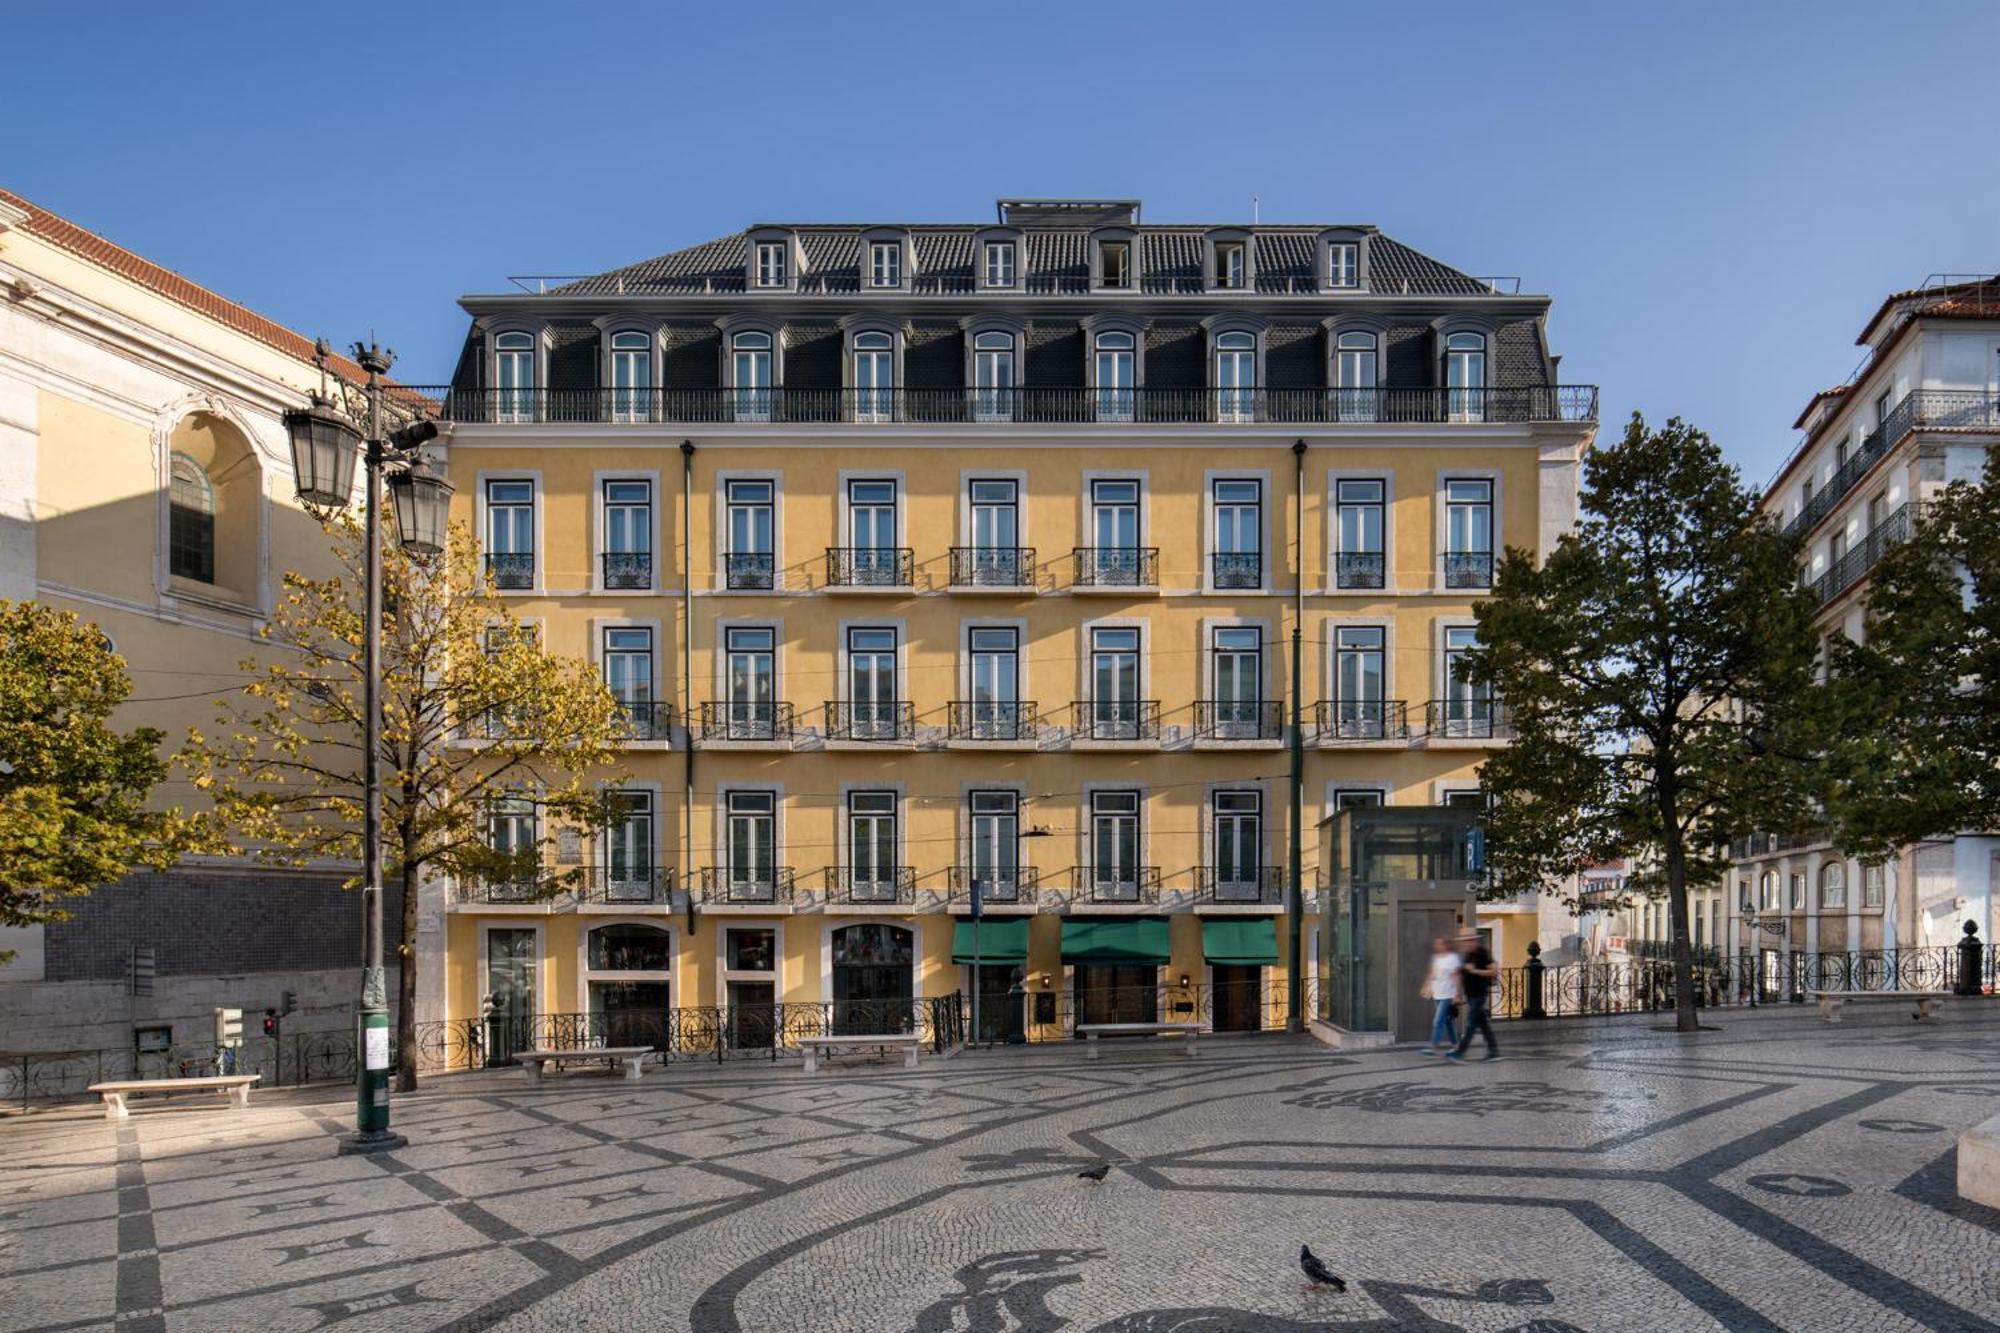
(1444, 1032)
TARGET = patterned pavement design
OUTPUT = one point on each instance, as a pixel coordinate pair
(1772, 1174)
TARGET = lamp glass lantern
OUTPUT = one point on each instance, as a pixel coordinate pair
(325, 446)
(422, 501)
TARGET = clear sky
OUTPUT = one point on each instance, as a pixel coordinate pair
(1716, 195)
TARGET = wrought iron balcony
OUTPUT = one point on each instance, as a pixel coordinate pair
(510, 570)
(1466, 719)
(1008, 885)
(1116, 720)
(1117, 566)
(1260, 885)
(1361, 719)
(1855, 563)
(1124, 884)
(1238, 569)
(994, 720)
(541, 888)
(749, 571)
(628, 569)
(1069, 405)
(643, 720)
(726, 885)
(879, 884)
(993, 567)
(870, 567)
(1359, 569)
(1468, 569)
(885, 722)
(1921, 409)
(634, 884)
(1239, 719)
(722, 720)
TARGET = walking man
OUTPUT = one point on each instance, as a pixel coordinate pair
(1475, 978)
(1441, 989)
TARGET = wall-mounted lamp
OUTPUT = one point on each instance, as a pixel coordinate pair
(1184, 981)
(1045, 981)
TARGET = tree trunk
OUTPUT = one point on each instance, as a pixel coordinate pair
(406, 984)
(1685, 1019)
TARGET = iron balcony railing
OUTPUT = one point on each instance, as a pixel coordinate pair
(878, 884)
(510, 570)
(1361, 719)
(1466, 719)
(544, 889)
(724, 885)
(639, 885)
(1116, 719)
(1468, 569)
(888, 722)
(1921, 409)
(993, 566)
(1767, 844)
(1259, 885)
(1237, 569)
(642, 720)
(1359, 569)
(1116, 884)
(1855, 563)
(1117, 566)
(628, 569)
(998, 884)
(749, 571)
(1063, 405)
(1239, 719)
(722, 720)
(994, 720)
(870, 566)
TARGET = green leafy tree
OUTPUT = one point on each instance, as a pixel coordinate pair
(73, 789)
(1656, 665)
(473, 713)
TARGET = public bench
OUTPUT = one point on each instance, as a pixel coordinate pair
(909, 1043)
(234, 1086)
(629, 1056)
(1092, 1031)
(1830, 1002)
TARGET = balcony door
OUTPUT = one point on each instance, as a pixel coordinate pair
(874, 377)
(871, 527)
(1468, 707)
(1236, 377)
(1114, 531)
(1239, 840)
(751, 670)
(871, 846)
(750, 368)
(1239, 534)
(993, 856)
(749, 560)
(753, 845)
(1116, 371)
(995, 670)
(628, 534)
(628, 848)
(1359, 561)
(628, 673)
(1359, 658)
(871, 683)
(1114, 846)
(1114, 683)
(993, 377)
(1237, 667)
(996, 532)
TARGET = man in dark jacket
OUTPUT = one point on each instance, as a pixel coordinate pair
(1476, 977)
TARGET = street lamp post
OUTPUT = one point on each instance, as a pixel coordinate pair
(325, 442)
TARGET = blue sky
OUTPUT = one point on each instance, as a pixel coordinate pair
(1716, 195)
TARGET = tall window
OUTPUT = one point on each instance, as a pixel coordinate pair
(190, 521)
(871, 683)
(1767, 891)
(1797, 886)
(511, 832)
(1114, 845)
(1874, 884)
(1236, 377)
(874, 377)
(1116, 376)
(1238, 836)
(1236, 667)
(514, 377)
(1114, 264)
(750, 561)
(1231, 269)
(871, 529)
(1833, 886)
(752, 843)
(628, 672)
(1354, 377)
(995, 670)
(1114, 532)
(1468, 516)
(1359, 668)
(772, 267)
(510, 534)
(871, 845)
(1343, 264)
(631, 376)
(628, 843)
(1239, 534)
(999, 264)
(1359, 561)
(750, 670)
(1468, 707)
(628, 534)
(993, 376)
(885, 264)
(996, 534)
(1114, 683)
(994, 852)
(751, 375)
(1465, 376)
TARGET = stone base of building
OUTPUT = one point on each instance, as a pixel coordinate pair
(1979, 1163)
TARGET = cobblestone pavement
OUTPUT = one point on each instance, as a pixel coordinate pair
(1772, 1174)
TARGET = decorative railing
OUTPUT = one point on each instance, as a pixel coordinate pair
(1116, 566)
(1765, 844)
(643, 720)
(1239, 719)
(1128, 884)
(1361, 719)
(1854, 564)
(1359, 569)
(883, 722)
(1921, 409)
(548, 890)
(1468, 569)
(993, 567)
(510, 571)
(27, 1078)
(724, 886)
(870, 566)
(749, 571)
(1237, 569)
(725, 721)
(630, 885)
(1008, 885)
(1260, 885)
(994, 720)
(1074, 405)
(1466, 719)
(1116, 720)
(628, 569)
(883, 885)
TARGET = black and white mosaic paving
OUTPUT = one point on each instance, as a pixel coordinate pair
(1772, 1174)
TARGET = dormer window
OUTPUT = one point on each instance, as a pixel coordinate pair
(1230, 265)
(993, 376)
(1236, 377)
(631, 375)
(751, 375)
(1114, 375)
(1343, 264)
(1465, 376)
(514, 376)
(874, 377)
(773, 268)
(1114, 260)
(998, 264)
(885, 264)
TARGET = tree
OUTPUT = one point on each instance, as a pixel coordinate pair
(473, 713)
(1656, 665)
(73, 790)
(1913, 736)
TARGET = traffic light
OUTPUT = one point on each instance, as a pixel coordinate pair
(228, 1027)
(290, 1004)
(270, 1022)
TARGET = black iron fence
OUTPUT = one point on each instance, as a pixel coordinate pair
(1239, 719)
(992, 566)
(282, 1061)
(870, 566)
(733, 721)
(994, 720)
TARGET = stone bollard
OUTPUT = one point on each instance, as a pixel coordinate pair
(1969, 950)
(1531, 1006)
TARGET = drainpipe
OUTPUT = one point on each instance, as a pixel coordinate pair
(687, 678)
(1295, 892)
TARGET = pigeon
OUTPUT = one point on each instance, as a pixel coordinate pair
(1096, 1174)
(1317, 1273)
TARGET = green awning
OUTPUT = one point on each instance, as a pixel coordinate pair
(1000, 940)
(1244, 941)
(1127, 939)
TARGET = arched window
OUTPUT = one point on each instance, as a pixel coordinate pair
(750, 367)
(1236, 377)
(993, 376)
(631, 375)
(1354, 372)
(1465, 376)
(514, 376)
(1832, 886)
(872, 981)
(190, 522)
(874, 377)
(1116, 366)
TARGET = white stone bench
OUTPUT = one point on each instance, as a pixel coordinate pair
(1830, 1002)
(1092, 1031)
(234, 1086)
(907, 1042)
(1979, 1163)
(629, 1056)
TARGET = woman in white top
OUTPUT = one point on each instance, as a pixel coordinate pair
(1441, 989)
